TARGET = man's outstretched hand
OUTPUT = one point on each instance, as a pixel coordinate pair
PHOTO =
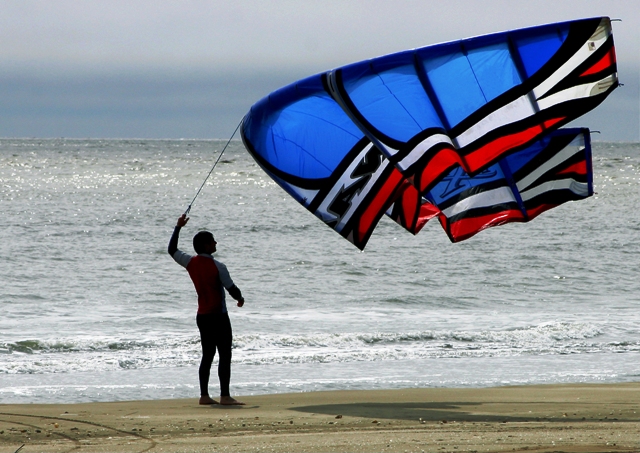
(182, 220)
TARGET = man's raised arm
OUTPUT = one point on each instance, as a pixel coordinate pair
(173, 243)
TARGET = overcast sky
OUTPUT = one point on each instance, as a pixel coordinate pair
(192, 69)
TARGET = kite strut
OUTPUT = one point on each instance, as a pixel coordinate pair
(214, 166)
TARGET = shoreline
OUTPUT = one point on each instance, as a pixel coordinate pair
(541, 418)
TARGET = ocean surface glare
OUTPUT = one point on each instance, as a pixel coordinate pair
(94, 309)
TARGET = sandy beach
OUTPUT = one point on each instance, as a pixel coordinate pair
(554, 418)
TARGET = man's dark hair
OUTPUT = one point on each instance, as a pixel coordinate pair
(200, 240)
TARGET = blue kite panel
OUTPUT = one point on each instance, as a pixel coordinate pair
(457, 181)
(309, 138)
(536, 50)
(394, 102)
(455, 86)
(518, 160)
(494, 69)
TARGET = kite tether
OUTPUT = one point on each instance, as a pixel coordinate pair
(214, 166)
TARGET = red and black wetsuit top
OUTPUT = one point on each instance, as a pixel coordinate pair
(206, 279)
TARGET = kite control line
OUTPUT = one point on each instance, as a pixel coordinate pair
(214, 166)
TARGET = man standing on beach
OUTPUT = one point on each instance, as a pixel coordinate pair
(209, 276)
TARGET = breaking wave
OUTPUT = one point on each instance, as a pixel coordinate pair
(63, 355)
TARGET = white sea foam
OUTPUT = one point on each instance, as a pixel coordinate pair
(67, 355)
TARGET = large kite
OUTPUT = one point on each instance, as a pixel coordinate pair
(465, 131)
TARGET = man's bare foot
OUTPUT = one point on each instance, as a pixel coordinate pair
(207, 400)
(228, 401)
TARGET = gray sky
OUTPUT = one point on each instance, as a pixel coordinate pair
(192, 69)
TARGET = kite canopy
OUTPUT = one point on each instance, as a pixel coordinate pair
(380, 135)
(518, 188)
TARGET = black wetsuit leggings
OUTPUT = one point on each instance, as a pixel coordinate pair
(215, 333)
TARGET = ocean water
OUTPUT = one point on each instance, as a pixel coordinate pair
(92, 308)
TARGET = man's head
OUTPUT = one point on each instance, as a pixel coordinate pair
(203, 242)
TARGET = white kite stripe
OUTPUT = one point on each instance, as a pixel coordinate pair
(493, 197)
(346, 181)
(572, 149)
(598, 39)
(516, 110)
(579, 188)
(577, 92)
(422, 148)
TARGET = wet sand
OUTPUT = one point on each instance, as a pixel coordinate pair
(554, 418)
